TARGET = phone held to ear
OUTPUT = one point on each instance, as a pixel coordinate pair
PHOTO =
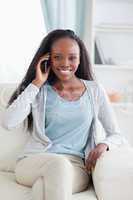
(44, 65)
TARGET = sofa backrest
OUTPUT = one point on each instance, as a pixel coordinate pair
(124, 115)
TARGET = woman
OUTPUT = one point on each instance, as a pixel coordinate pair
(63, 104)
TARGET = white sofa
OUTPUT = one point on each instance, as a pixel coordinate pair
(112, 177)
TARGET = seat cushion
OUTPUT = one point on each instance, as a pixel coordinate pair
(113, 175)
(10, 189)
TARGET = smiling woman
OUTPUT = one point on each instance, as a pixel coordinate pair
(65, 58)
(63, 105)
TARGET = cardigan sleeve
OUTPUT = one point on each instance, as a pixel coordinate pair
(20, 108)
(107, 117)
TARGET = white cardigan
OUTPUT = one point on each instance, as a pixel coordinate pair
(33, 99)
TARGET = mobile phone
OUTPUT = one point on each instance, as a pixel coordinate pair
(44, 65)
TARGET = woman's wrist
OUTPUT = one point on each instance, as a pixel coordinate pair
(37, 83)
(105, 145)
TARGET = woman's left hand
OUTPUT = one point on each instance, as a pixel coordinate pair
(90, 162)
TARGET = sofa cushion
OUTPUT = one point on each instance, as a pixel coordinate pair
(11, 141)
(10, 189)
(113, 174)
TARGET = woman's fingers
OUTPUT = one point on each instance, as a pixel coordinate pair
(45, 57)
(47, 71)
(91, 160)
(94, 155)
(41, 76)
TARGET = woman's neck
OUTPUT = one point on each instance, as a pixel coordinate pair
(66, 85)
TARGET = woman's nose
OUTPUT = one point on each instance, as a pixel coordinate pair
(65, 62)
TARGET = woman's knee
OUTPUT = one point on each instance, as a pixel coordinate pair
(59, 164)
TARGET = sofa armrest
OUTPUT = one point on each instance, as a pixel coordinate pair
(113, 175)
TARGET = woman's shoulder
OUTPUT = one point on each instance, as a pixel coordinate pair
(96, 87)
(93, 83)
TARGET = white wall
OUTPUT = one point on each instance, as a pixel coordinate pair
(116, 41)
(22, 29)
(114, 11)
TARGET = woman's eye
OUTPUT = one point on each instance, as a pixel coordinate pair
(57, 57)
(73, 58)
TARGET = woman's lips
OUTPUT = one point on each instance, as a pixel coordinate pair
(64, 71)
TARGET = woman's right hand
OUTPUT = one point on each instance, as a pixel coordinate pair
(41, 77)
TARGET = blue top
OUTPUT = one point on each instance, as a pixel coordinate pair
(67, 122)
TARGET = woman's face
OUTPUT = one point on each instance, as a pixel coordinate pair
(65, 58)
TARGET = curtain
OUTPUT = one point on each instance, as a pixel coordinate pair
(70, 14)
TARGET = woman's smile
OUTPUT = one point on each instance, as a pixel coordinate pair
(64, 71)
